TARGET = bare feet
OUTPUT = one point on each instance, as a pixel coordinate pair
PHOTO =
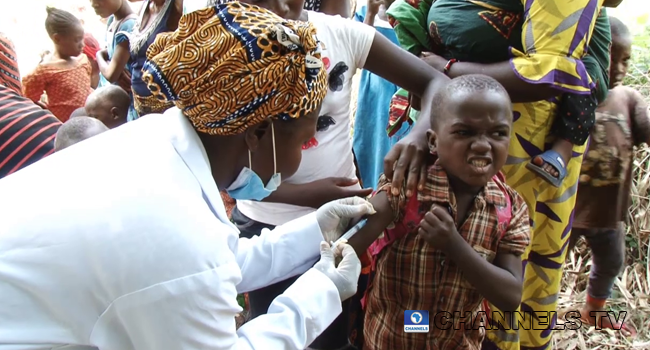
(564, 149)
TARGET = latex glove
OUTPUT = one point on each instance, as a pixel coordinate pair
(346, 275)
(334, 217)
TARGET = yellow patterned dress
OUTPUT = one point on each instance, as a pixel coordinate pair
(555, 34)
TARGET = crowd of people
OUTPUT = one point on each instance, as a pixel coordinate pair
(205, 153)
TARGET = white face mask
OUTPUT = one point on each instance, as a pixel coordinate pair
(249, 186)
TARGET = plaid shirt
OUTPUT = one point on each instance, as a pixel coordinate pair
(413, 275)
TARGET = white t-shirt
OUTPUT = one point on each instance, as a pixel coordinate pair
(345, 47)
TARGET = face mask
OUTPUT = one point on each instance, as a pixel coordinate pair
(249, 186)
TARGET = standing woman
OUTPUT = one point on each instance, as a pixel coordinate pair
(156, 16)
(116, 261)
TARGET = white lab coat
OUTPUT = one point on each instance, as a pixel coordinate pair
(122, 242)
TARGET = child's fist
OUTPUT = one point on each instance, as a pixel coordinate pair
(437, 227)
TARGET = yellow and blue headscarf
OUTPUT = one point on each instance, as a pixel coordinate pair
(231, 66)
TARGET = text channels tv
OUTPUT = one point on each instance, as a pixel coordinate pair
(416, 321)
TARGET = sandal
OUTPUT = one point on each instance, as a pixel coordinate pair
(629, 331)
(554, 159)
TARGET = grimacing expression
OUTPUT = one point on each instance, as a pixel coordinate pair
(472, 135)
(289, 139)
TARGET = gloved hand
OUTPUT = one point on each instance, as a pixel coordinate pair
(334, 217)
(346, 275)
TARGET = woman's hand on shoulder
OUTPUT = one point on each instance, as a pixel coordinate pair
(407, 161)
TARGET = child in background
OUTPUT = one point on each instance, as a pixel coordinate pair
(458, 241)
(370, 142)
(76, 130)
(605, 179)
(66, 75)
(79, 112)
(114, 61)
(109, 104)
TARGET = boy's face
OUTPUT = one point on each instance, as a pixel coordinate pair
(472, 135)
(287, 9)
(620, 57)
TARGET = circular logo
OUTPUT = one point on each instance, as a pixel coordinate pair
(416, 317)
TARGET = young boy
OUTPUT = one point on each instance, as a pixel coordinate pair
(76, 130)
(457, 242)
(109, 104)
(606, 174)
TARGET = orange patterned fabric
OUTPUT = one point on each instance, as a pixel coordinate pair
(66, 88)
(228, 202)
(232, 66)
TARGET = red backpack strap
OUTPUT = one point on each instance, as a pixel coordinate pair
(504, 214)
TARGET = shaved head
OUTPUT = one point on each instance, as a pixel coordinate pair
(463, 85)
(76, 130)
(618, 28)
(79, 112)
(110, 104)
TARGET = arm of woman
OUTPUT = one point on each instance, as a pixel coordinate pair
(317, 193)
(336, 7)
(113, 69)
(550, 63)
(518, 89)
(403, 69)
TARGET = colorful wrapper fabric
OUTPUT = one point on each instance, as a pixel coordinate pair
(231, 66)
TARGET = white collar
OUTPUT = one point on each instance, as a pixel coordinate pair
(189, 147)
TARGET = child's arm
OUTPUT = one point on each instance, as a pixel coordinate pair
(640, 119)
(499, 282)
(376, 224)
(113, 69)
(371, 11)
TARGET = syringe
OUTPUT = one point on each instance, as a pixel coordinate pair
(351, 232)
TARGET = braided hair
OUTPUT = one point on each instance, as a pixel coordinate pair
(60, 21)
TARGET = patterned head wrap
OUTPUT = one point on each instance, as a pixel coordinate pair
(231, 66)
